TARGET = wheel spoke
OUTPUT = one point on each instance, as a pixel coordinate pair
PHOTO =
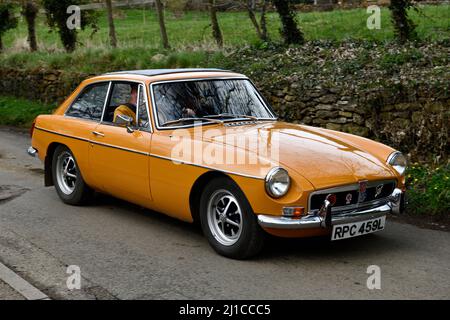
(222, 206)
(233, 223)
(228, 205)
(71, 175)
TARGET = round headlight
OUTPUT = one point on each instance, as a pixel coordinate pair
(277, 182)
(398, 161)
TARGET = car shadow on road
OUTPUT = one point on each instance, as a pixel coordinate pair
(275, 248)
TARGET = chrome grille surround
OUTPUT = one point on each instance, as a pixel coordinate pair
(352, 188)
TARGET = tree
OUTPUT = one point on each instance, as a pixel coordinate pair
(7, 20)
(289, 31)
(112, 29)
(404, 27)
(29, 12)
(217, 33)
(162, 24)
(261, 27)
(57, 18)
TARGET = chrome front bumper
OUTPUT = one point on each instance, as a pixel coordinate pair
(32, 152)
(311, 221)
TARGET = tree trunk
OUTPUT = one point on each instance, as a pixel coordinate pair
(263, 22)
(30, 11)
(251, 14)
(404, 27)
(217, 33)
(162, 24)
(112, 28)
(290, 31)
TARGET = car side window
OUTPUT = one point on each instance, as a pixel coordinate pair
(89, 104)
(143, 120)
(122, 94)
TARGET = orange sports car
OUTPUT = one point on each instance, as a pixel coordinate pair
(204, 145)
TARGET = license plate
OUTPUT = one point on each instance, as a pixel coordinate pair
(350, 230)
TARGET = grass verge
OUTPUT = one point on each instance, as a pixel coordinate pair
(428, 190)
(21, 112)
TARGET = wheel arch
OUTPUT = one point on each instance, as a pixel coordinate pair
(197, 189)
(48, 175)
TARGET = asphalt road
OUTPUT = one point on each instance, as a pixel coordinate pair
(125, 252)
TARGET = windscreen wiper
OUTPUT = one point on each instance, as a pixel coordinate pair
(190, 120)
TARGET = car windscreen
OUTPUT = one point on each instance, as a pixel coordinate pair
(203, 98)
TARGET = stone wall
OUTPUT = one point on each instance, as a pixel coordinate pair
(50, 87)
(415, 120)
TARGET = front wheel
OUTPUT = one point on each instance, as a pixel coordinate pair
(69, 183)
(228, 221)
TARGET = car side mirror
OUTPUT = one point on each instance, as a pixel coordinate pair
(125, 121)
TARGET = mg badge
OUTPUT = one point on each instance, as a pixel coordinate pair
(362, 191)
(348, 198)
(378, 190)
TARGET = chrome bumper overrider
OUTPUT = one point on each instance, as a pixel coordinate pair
(32, 151)
(315, 221)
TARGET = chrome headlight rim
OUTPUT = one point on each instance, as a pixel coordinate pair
(268, 181)
(392, 162)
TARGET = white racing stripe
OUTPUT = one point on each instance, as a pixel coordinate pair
(23, 287)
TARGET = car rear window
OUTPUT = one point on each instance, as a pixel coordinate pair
(89, 104)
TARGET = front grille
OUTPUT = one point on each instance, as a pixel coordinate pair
(349, 196)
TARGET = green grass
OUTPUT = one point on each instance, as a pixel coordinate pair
(428, 190)
(21, 112)
(139, 28)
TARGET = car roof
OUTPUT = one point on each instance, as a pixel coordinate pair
(158, 72)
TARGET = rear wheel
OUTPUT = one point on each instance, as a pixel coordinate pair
(69, 183)
(228, 220)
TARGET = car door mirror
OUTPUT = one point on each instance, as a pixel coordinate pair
(126, 121)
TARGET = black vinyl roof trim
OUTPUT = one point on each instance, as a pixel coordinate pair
(157, 72)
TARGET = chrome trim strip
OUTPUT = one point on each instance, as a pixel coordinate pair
(155, 116)
(62, 134)
(153, 155)
(391, 156)
(106, 101)
(120, 148)
(94, 142)
(351, 187)
(314, 221)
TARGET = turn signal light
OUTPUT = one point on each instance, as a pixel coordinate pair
(293, 212)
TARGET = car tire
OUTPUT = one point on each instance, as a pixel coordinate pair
(69, 183)
(228, 220)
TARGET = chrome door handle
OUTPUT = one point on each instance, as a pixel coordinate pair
(98, 134)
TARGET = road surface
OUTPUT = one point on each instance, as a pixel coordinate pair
(126, 252)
